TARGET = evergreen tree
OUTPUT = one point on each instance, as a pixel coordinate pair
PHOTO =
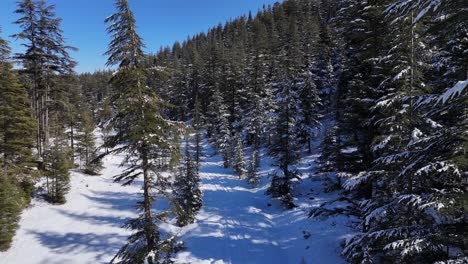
(86, 145)
(12, 201)
(220, 128)
(16, 124)
(286, 148)
(16, 142)
(197, 126)
(46, 55)
(187, 192)
(252, 171)
(58, 162)
(143, 133)
(238, 155)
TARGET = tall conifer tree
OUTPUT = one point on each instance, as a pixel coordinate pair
(143, 134)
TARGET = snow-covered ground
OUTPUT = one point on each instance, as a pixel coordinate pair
(240, 224)
(87, 229)
(237, 224)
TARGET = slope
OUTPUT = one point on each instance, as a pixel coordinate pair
(237, 223)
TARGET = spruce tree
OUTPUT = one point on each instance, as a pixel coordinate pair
(16, 142)
(252, 170)
(220, 128)
(58, 162)
(142, 132)
(286, 148)
(86, 145)
(46, 55)
(187, 192)
(16, 124)
(12, 201)
(238, 155)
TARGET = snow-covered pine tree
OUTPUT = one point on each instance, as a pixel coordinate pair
(238, 158)
(363, 29)
(143, 133)
(252, 170)
(331, 158)
(187, 188)
(322, 69)
(197, 126)
(220, 127)
(395, 213)
(309, 105)
(261, 101)
(286, 147)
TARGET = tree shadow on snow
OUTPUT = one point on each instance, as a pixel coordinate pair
(96, 219)
(104, 246)
(118, 201)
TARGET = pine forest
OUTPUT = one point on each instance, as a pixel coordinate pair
(304, 131)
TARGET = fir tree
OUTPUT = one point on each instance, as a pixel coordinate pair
(220, 128)
(12, 201)
(197, 126)
(16, 142)
(238, 156)
(187, 192)
(143, 133)
(16, 124)
(58, 162)
(86, 145)
(252, 171)
(46, 55)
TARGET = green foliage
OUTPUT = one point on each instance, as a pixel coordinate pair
(187, 188)
(57, 164)
(238, 155)
(12, 201)
(16, 124)
(86, 145)
(148, 139)
(252, 171)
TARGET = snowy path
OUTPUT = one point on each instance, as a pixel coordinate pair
(240, 224)
(230, 228)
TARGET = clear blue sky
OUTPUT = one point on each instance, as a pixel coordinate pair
(160, 22)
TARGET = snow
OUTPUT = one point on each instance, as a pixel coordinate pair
(237, 223)
(87, 229)
(453, 92)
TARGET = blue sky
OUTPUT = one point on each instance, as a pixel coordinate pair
(160, 22)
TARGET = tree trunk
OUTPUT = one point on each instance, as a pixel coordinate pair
(149, 228)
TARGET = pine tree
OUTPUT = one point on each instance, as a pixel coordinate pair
(252, 171)
(58, 162)
(286, 148)
(143, 134)
(188, 193)
(12, 201)
(46, 55)
(238, 155)
(16, 124)
(415, 167)
(86, 145)
(16, 142)
(220, 128)
(197, 126)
